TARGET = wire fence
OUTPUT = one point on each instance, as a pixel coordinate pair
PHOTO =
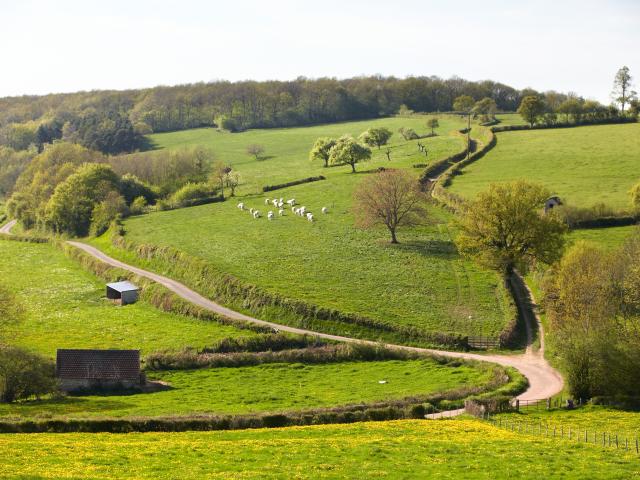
(565, 432)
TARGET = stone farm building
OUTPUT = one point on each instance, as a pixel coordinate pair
(124, 292)
(98, 369)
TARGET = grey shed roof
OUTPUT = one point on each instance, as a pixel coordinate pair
(98, 364)
(122, 286)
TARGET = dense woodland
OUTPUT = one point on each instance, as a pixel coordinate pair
(115, 121)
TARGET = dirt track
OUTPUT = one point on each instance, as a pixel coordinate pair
(544, 381)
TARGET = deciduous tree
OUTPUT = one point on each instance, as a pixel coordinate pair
(256, 150)
(376, 137)
(347, 151)
(531, 109)
(432, 124)
(321, 149)
(623, 91)
(505, 228)
(391, 198)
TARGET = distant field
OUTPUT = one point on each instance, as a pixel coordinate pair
(422, 282)
(287, 149)
(510, 119)
(609, 238)
(583, 165)
(65, 308)
(400, 449)
(266, 388)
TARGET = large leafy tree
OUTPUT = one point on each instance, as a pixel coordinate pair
(70, 208)
(505, 228)
(391, 198)
(463, 103)
(531, 109)
(321, 148)
(347, 151)
(376, 137)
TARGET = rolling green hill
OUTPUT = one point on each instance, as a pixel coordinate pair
(584, 165)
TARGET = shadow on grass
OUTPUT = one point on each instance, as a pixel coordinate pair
(428, 248)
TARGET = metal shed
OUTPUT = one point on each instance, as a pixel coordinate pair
(126, 292)
(88, 369)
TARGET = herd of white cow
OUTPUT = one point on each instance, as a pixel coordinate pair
(279, 203)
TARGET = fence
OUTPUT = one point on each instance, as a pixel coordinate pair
(593, 437)
(484, 342)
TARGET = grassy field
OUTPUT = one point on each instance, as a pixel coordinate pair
(65, 308)
(266, 388)
(422, 282)
(400, 449)
(286, 154)
(609, 238)
(593, 418)
(510, 119)
(583, 165)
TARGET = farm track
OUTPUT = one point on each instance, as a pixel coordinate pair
(544, 381)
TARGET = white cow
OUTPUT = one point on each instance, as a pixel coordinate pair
(303, 210)
(280, 204)
(270, 215)
(241, 206)
(281, 212)
(266, 201)
(291, 202)
(251, 210)
(325, 210)
(310, 217)
(256, 214)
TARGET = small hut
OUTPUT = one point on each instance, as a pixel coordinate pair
(122, 292)
(551, 203)
(98, 369)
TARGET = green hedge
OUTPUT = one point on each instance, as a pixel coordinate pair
(225, 288)
(270, 188)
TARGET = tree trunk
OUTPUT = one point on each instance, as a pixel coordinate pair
(393, 235)
(353, 168)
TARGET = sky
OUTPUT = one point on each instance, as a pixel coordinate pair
(68, 45)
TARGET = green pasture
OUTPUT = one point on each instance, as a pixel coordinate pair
(583, 165)
(65, 307)
(592, 418)
(286, 154)
(399, 449)
(422, 282)
(609, 238)
(266, 388)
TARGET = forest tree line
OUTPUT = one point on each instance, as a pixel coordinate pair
(116, 121)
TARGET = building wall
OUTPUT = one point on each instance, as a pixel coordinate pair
(72, 385)
(129, 297)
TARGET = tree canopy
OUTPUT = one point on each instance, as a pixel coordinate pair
(505, 228)
(376, 137)
(347, 151)
(321, 150)
(531, 109)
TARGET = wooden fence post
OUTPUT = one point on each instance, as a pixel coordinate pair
(517, 405)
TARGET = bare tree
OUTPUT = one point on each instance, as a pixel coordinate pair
(232, 180)
(256, 150)
(391, 198)
(219, 172)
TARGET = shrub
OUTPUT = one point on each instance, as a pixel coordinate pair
(138, 206)
(270, 188)
(24, 375)
(190, 192)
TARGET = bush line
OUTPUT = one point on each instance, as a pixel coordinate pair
(270, 188)
(314, 354)
(410, 407)
(226, 288)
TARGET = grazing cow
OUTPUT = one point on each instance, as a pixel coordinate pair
(280, 204)
(325, 210)
(256, 214)
(291, 202)
(241, 206)
(281, 212)
(266, 201)
(310, 217)
(251, 210)
(270, 215)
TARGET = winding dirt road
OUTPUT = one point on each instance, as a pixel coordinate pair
(544, 381)
(6, 228)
